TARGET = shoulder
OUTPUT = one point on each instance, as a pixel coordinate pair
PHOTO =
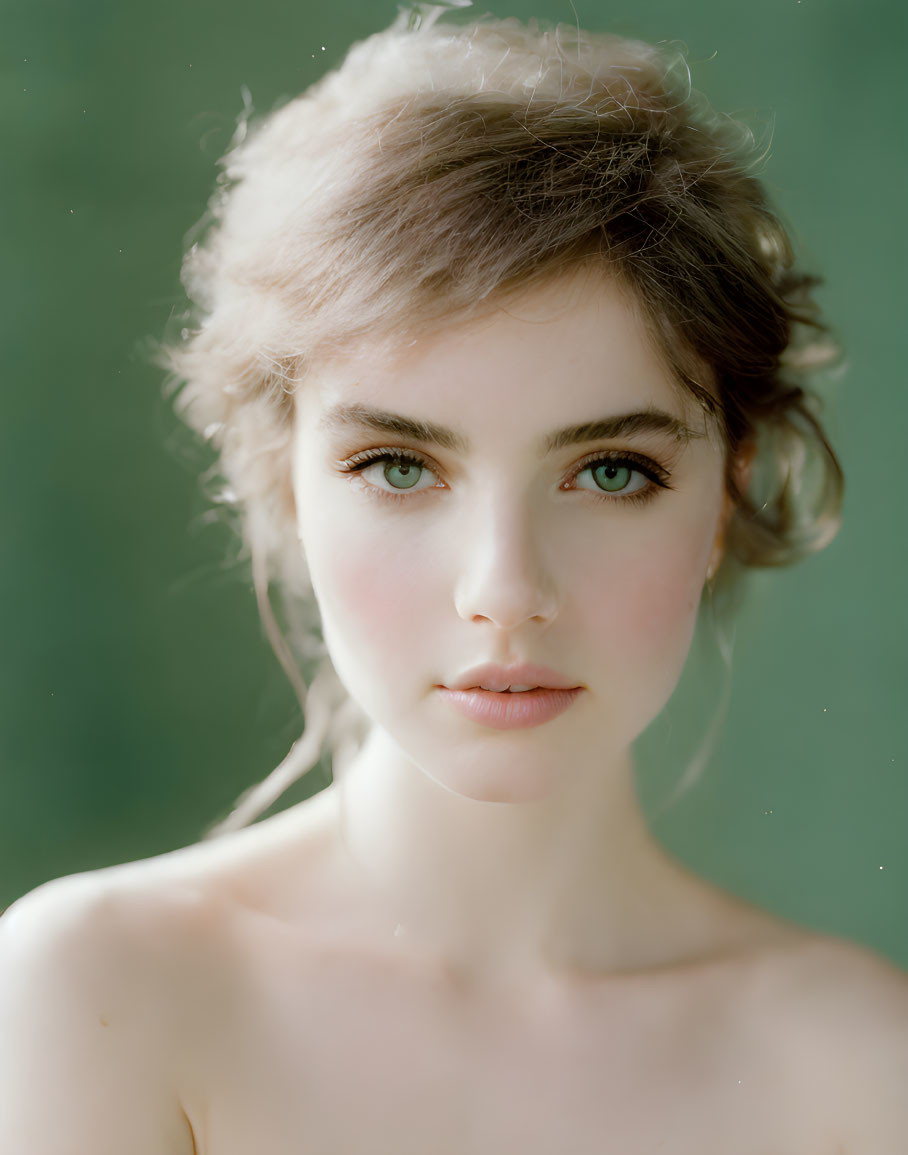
(845, 1014)
(111, 917)
(119, 939)
(142, 924)
(87, 1021)
(174, 934)
(836, 985)
(76, 919)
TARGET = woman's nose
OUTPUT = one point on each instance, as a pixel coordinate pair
(505, 575)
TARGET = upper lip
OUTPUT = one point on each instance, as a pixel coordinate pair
(492, 674)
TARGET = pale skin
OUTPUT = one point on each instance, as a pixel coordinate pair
(470, 944)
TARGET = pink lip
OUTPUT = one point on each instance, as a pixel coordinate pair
(526, 674)
(510, 711)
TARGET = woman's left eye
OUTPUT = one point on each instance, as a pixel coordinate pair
(624, 476)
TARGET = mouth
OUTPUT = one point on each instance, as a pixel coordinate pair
(508, 689)
(517, 678)
(510, 708)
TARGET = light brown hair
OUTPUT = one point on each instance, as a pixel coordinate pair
(445, 165)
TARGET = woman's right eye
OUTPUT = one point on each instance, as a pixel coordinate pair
(401, 471)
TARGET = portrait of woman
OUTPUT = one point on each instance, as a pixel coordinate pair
(515, 387)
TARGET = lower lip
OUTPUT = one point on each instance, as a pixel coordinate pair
(506, 711)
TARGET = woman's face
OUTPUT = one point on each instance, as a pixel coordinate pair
(495, 546)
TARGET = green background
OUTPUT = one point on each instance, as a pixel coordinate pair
(138, 695)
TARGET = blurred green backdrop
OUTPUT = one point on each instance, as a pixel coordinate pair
(138, 694)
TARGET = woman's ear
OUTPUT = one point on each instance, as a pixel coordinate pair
(743, 465)
(741, 471)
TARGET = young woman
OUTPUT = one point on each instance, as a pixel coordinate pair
(505, 360)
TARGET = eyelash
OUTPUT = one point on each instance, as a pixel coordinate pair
(657, 475)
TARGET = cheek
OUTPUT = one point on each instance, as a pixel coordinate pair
(370, 595)
(663, 599)
(641, 615)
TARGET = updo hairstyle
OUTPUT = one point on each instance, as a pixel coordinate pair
(439, 168)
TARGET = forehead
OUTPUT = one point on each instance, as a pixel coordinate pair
(572, 352)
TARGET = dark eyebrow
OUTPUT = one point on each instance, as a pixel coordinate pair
(623, 425)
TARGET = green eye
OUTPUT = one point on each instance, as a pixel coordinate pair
(407, 471)
(401, 471)
(612, 476)
(624, 477)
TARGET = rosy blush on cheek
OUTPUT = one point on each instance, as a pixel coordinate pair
(372, 599)
(638, 627)
(658, 619)
(377, 604)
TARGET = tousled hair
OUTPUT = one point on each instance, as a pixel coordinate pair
(439, 168)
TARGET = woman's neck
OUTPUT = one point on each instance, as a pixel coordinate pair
(574, 882)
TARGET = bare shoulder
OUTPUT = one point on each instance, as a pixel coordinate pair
(84, 1024)
(844, 988)
(169, 926)
(843, 1010)
(129, 939)
(153, 926)
(115, 902)
(829, 968)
